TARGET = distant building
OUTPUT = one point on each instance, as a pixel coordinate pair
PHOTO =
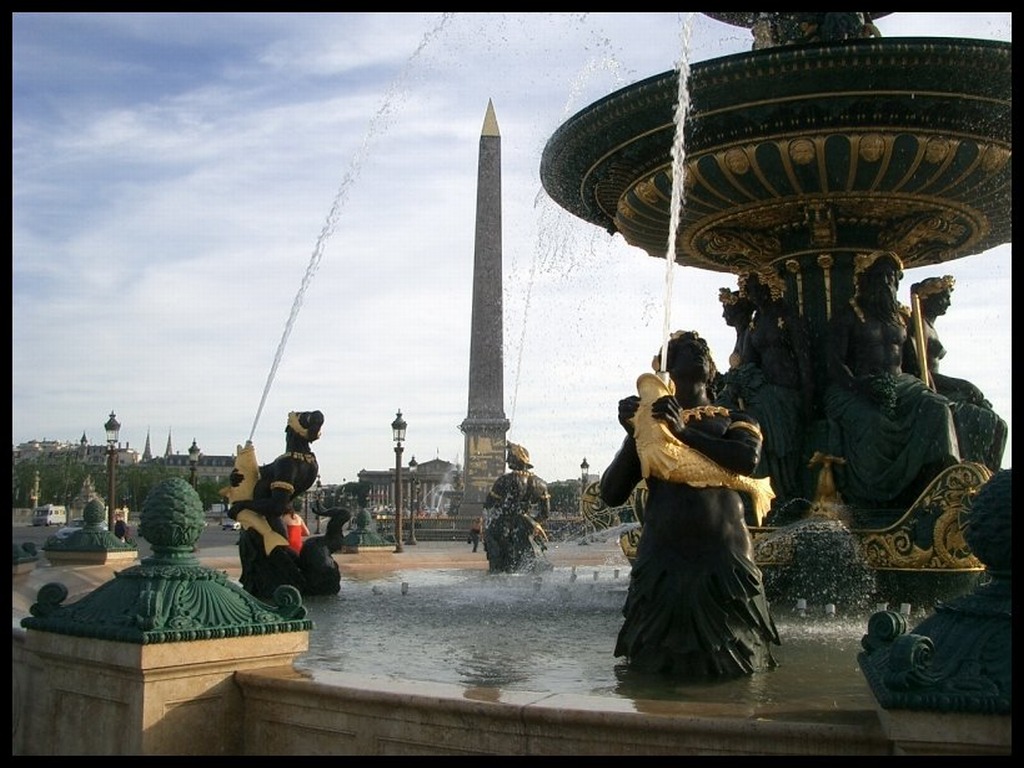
(435, 483)
(213, 467)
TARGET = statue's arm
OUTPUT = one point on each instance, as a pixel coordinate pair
(839, 371)
(622, 475)
(911, 362)
(738, 449)
(543, 498)
(496, 495)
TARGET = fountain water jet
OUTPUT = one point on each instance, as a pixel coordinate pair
(377, 124)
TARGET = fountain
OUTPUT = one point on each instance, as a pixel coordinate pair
(800, 155)
(495, 635)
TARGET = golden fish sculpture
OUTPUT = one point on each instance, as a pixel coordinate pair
(248, 466)
(664, 456)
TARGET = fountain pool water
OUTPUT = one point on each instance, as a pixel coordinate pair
(555, 632)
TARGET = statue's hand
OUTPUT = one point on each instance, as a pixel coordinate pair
(975, 396)
(628, 406)
(666, 409)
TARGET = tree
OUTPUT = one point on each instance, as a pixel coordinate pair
(565, 498)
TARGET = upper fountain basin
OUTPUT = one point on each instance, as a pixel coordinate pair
(897, 143)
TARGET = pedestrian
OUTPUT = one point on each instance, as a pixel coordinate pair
(474, 532)
(120, 529)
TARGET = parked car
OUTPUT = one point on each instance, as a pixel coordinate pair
(231, 525)
(75, 525)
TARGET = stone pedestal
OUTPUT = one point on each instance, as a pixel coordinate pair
(145, 663)
(98, 697)
(90, 557)
(946, 733)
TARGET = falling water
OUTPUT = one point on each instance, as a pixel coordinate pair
(678, 172)
(377, 125)
(554, 241)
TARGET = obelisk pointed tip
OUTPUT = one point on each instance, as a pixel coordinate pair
(490, 122)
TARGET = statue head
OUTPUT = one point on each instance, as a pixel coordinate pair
(876, 277)
(933, 286)
(518, 457)
(736, 308)
(679, 339)
(305, 424)
(93, 514)
(869, 263)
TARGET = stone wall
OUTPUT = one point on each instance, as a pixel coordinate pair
(74, 696)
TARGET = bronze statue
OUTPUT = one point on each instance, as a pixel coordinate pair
(260, 495)
(980, 431)
(737, 310)
(696, 606)
(894, 432)
(773, 381)
(774, 29)
(516, 505)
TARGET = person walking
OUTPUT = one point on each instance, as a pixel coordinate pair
(474, 532)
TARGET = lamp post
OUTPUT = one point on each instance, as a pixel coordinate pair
(398, 432)
(113, 429)
(584, 476)
(414, 505)
(193, 461)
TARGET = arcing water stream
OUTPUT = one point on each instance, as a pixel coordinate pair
(377, 125)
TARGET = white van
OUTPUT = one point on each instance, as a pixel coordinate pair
(50, 514)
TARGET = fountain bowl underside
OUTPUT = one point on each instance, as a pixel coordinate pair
(898, 143)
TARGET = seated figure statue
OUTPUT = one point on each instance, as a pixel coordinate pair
(894, 433)
(980, 431)
(737, 311)
(513, 537)
(773, 381)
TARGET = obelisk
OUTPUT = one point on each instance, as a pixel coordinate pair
(485, 425)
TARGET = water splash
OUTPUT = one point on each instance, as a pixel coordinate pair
(553, 239)
(678, 179)
(378, 124)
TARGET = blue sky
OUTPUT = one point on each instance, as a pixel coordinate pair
(186, 187)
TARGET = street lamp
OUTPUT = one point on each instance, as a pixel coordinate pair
(113, 429)
(193, 461)
(398, 432)
(584, 467)
(414, 506)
